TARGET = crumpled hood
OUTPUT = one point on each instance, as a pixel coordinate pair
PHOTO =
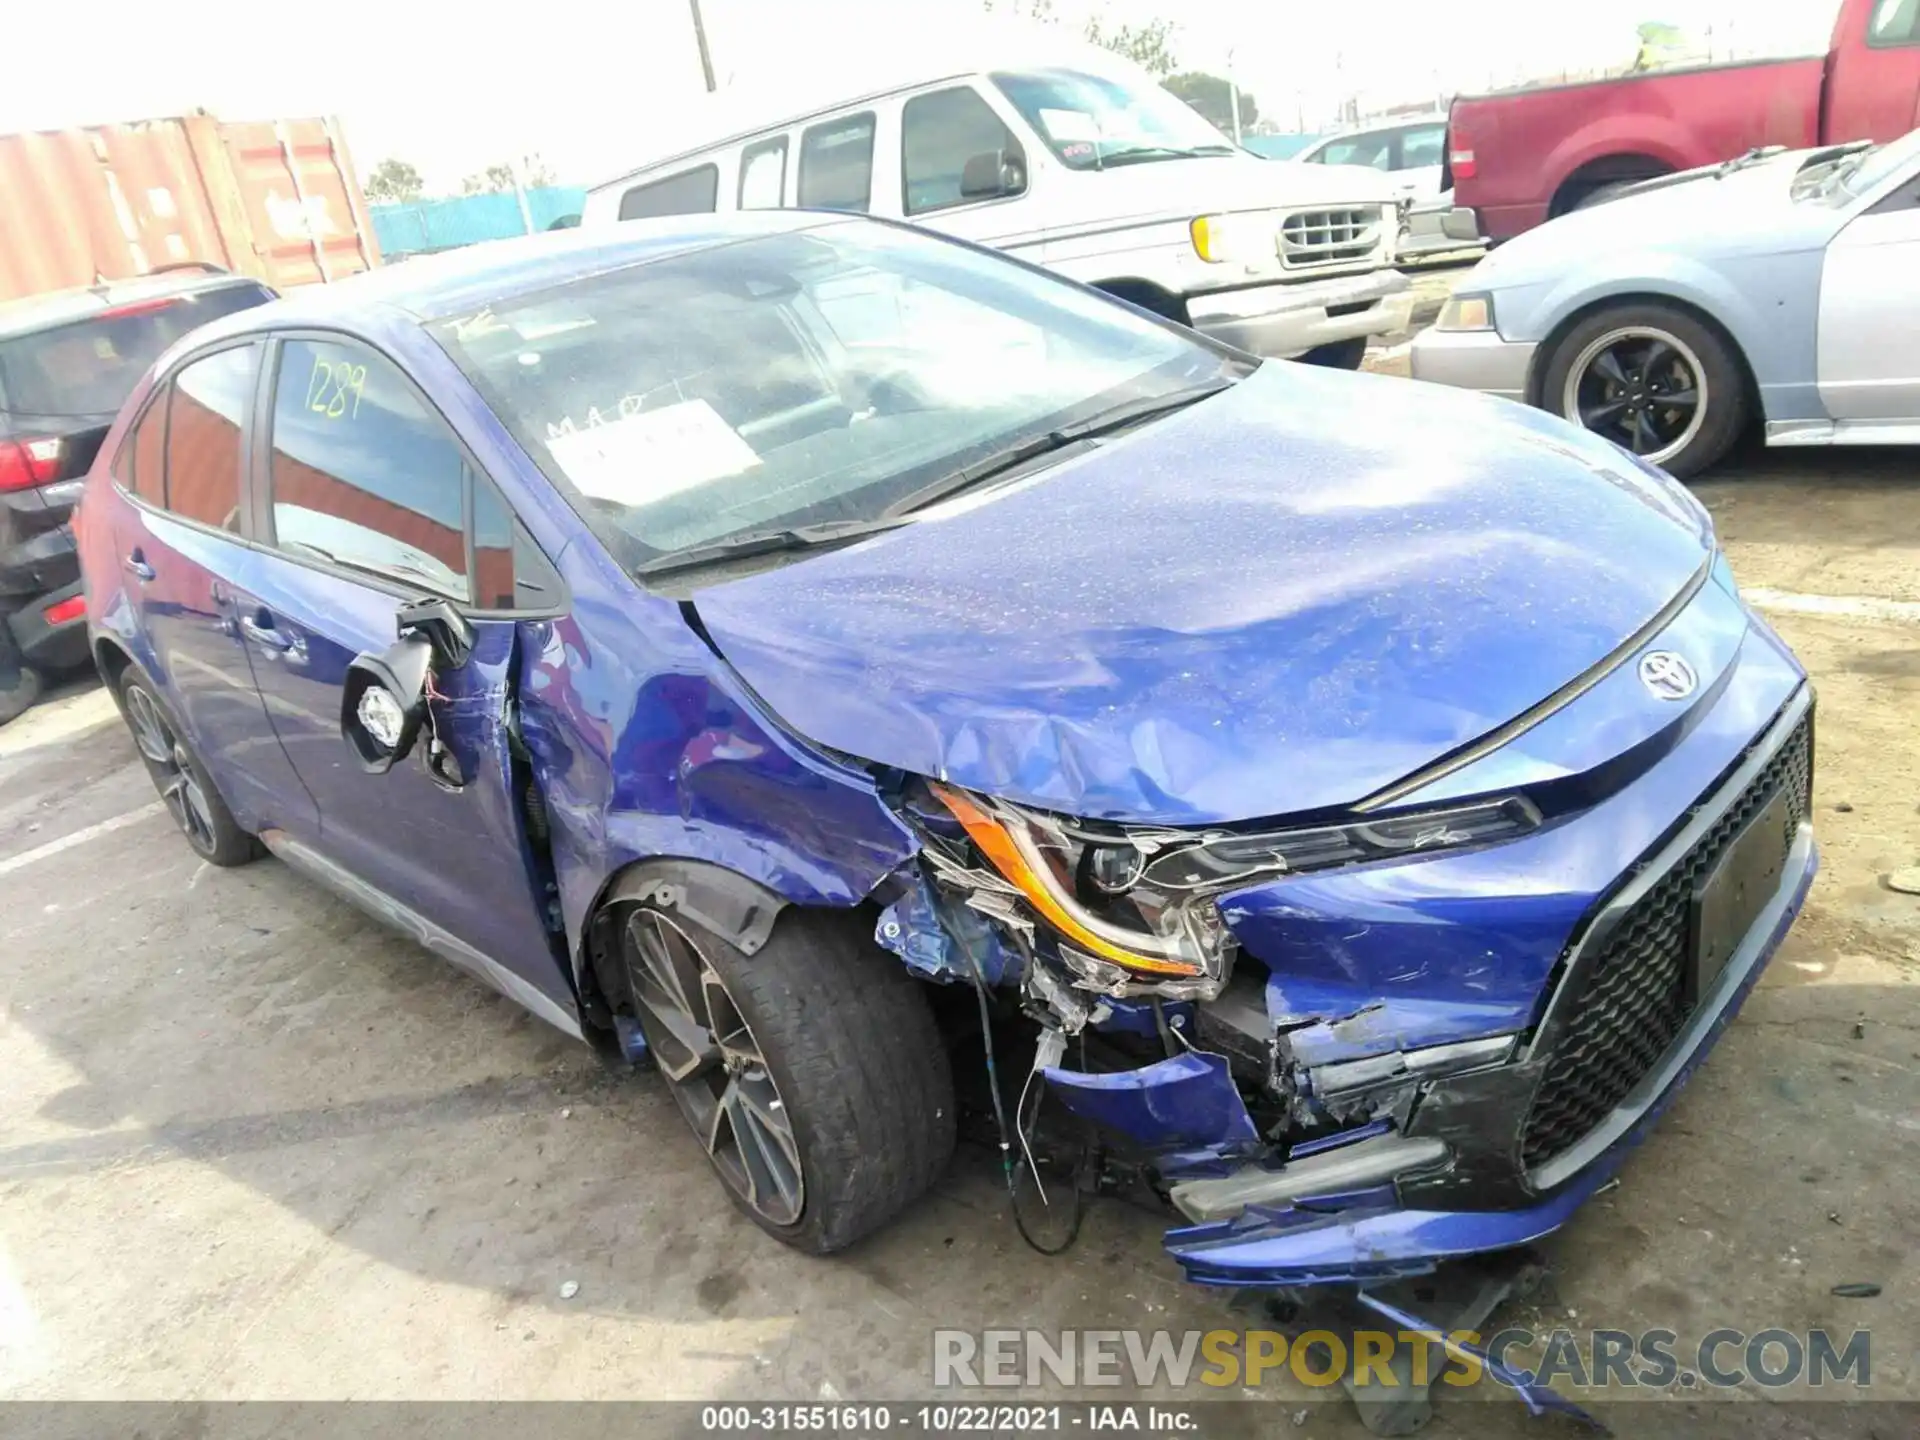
(1278, 600)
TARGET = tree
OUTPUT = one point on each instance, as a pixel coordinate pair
(1213, 98)
(1150, 46)
(394, 182)
(498, 179)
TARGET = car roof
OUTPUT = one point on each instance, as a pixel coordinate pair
(458, 282)
(55, 308)
(865, 73)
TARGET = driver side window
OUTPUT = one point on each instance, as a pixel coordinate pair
(363, 476)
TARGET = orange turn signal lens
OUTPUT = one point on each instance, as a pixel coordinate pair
(1006, 854)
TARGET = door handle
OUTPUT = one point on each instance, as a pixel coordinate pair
(138, 567)
(267, 635)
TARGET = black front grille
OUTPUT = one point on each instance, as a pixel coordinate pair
(1629, 1000)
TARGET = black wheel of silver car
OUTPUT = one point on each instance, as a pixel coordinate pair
(811, 1071)
(1654, 380)
(183, 783)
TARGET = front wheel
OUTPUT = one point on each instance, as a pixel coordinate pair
(1653, 379)
(811, 1071)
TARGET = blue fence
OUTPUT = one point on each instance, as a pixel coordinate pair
(422, 226)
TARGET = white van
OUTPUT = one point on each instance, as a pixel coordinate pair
(1073, 159)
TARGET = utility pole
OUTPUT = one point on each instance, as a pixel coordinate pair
(1233, 94)
(700, 35)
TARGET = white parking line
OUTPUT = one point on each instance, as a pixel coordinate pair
(79, 837)
(1850, 607)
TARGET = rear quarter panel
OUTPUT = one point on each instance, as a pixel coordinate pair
(1526, 144)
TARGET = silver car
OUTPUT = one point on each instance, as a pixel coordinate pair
(1779, 287)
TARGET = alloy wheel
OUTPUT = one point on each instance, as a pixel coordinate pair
(1642, 388)
(715, 1067)
(173, 769)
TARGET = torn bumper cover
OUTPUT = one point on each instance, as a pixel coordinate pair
(1370, 1203)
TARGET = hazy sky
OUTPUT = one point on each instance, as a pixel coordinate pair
(593, 85)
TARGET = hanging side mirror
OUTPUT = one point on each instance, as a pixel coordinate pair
(384, 700)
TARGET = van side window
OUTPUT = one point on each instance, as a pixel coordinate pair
(691, 192)
(763, 174)
(210, 400)
(946, 133)
(836, 164)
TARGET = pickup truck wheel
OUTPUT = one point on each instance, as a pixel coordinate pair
(810, 1071)
(1654, 380)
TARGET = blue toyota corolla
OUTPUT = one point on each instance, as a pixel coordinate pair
(812, 653)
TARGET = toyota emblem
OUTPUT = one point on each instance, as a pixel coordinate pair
(1667, 675)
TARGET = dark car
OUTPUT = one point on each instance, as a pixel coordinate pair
(774, 642)
(67, 362)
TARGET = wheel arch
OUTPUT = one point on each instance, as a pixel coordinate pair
(1608, 169)
(723, 902)
(1544, 352)
(111, 659)
(1149, 296)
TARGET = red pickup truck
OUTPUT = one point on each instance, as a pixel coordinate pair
(1521, 157)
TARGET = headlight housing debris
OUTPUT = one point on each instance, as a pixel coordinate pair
(1131, 904)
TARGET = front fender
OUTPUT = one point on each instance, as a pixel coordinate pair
(1767, 304)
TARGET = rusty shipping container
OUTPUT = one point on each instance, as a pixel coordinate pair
(277, 200)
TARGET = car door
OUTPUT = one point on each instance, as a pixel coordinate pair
(1869, 346)
(183, 558)
(369, 501)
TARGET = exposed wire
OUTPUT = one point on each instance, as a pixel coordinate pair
(1000, 1121)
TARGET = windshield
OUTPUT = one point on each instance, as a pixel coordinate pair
(801, 379)
(1092, 121)
(86, 368)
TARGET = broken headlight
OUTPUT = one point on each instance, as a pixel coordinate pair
(1142, 899)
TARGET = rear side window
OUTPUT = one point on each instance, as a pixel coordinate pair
(943, 134)
(364, 475)
(210, 400)
(836, 164)
(691, 192)
(141, 466)
(1375, 150)
(1895, 22)
(763, 174)
(1421, 146)
(88, 367)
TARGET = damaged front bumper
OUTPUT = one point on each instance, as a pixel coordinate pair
(1426, 1154)
(1355, 1225)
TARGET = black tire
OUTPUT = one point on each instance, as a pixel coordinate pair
(187, 789)
(855, 1060)
(1601, 194)
(1691, 344)
(1339, 355)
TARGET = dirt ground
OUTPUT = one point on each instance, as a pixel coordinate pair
(255, 1147)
